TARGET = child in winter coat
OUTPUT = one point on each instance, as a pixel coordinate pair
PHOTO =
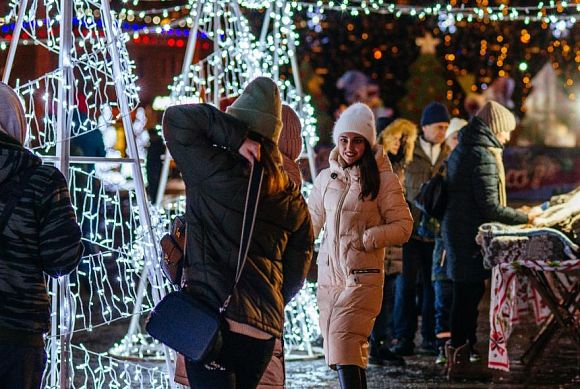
(359, 202)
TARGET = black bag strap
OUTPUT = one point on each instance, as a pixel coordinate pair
(442, 168)
(250, 210)
(11, 194)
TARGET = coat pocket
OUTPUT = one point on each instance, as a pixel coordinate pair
(365, 276)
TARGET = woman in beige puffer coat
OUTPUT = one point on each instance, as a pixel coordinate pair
(359, 202)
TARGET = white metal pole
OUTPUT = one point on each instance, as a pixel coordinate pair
(187, 60)
(150, 249)
(298, 85)
(238, 17)
(63, 124)
(217, 55)
(14, 41)
(190, 49)
(54, 341)
(265, 27)
(277, 31)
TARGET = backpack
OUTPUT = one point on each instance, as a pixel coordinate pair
(432, 196)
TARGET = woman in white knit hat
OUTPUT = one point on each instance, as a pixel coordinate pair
(359, 203)
(452, 134)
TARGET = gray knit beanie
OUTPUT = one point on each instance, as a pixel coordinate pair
(260, 107)
(497, 117)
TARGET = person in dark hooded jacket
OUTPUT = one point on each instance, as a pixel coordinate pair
(40, 235)
(476, 195)
(212, 150)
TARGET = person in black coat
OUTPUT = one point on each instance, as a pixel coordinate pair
(213, 151)
(39, 237)
(476, 195)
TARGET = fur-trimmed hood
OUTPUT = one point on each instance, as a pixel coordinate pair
(408, 130)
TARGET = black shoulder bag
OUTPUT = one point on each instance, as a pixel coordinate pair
(187, 325)
(432, 196)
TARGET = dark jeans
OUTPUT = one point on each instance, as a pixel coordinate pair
(417, 258)
(443, 288)
(21, 367)
(242, 362)
(443, 301)
(383, 329)
(439, 268)
(466, 298)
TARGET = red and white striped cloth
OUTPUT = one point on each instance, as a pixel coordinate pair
(511, 295)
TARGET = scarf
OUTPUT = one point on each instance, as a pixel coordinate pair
(497, 154)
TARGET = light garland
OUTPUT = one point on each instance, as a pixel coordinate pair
(89, 58)
(114, 373)
(278, 48)
(233, 62)
(561, 18)
(301, 327)
(236, 59)
(552, 12)
(493, 14)
(106, 287)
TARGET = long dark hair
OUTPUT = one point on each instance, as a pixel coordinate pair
(275, 179)
(370, 179)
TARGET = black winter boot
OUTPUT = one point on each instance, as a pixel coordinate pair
(350, 377)
(459, 366)
(381, 355)
(457, 360)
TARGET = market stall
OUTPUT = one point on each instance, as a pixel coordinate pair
(534, 265)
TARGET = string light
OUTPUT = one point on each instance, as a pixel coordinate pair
(95, 370)
(106, 287)
(237, 57)
(549, 14)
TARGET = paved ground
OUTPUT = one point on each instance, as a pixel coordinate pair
(558, 367)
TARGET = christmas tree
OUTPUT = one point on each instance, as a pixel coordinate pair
(426, 82)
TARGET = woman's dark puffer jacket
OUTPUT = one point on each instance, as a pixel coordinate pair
(204, 143)
(473, 199)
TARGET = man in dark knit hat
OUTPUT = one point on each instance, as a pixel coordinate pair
(430, 152)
